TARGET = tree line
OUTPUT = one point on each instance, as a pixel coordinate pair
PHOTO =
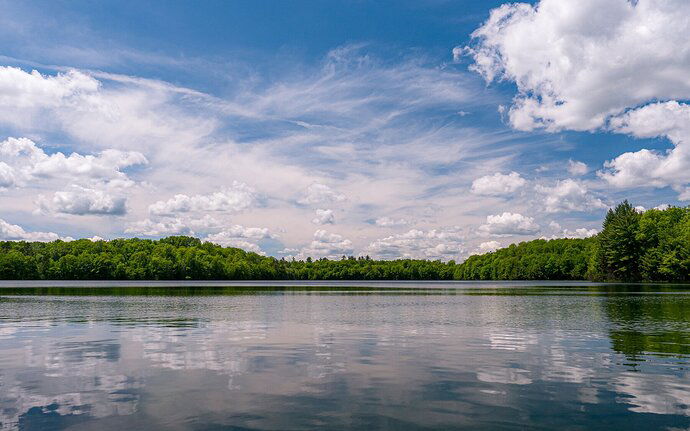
(188, 258)
(632, 246)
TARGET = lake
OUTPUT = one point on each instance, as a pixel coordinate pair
(398, 356)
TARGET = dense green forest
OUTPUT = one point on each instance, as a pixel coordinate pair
(632, 246)
(556, 259)
(180, 257)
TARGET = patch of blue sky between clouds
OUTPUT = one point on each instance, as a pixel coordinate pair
(363, 98)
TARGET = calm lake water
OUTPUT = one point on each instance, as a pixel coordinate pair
(407, 356)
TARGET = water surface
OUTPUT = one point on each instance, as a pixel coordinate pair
(399, 356)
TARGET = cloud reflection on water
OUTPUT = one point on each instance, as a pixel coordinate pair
(304, 361)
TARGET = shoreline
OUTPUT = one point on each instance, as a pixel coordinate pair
(425, 284)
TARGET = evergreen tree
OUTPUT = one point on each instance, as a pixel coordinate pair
(618, 249)
(652, 246)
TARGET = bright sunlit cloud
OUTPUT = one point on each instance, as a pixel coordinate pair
(372, 145)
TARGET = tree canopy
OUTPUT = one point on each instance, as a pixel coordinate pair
(632, 246)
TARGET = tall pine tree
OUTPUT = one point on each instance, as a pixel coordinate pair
(618, 253)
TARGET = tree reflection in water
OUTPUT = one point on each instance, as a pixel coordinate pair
(471, 357)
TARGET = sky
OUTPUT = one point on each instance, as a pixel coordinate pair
(396, 129)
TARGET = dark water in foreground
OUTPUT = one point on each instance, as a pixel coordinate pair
(484, 356)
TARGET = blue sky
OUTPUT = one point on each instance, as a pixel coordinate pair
(431, 129)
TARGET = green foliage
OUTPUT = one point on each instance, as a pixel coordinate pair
(557, 259)
(632, 246)
(181, 257)
(652, 246)
(664, 238)
(617, 256)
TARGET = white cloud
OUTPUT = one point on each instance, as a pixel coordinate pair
(577, 63)
(320, 194)
(238, 231)
(19, 89)
(580, 233)
(178, 225)
(569, 195)
(324, 217)
(95, 184)
(13, 232)
(488, 246)
(140, 112)
(241, 243)
(83, 201)
(498, 184)
(7, 178)
(620, 66)
(640, 209)
(163, 227)
(647, 167)
(391, 222)
(509, 224)
(23, 161)
(559, 232)
(577, 168)
(236, 198)
(240, 237)
(443, 244)
(353, 134)
(329, 245)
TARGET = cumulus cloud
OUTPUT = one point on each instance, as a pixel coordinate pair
(83, 201)
(577, 168)
(189, 224)
(559, 232)
(488, 246)
(236, 198)
(391, 222)
(443, 244)
(7, 177)
(241, 243)
(577, 63)
(96, 182)
(351, 126)
(13, 232)
(653, 168)
(580, 233)
(569, 195)
(320, 194)
(509, 224)
(640, 209)
(498, 184)
(324, 217)
(326, 244)
(163, 227)
(240, 237)
(620, 66)
(20, 89)
(80, 105)
(238, 231)
(23, 161)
